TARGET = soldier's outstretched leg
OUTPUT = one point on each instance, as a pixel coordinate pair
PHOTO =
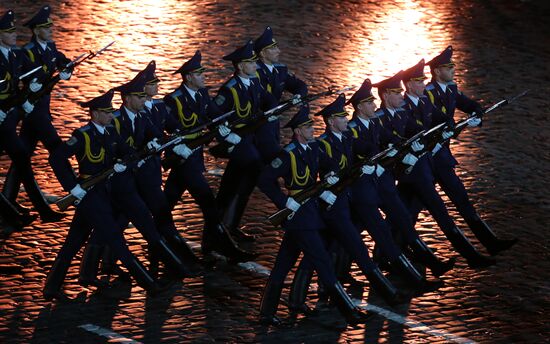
(465, 248)
(455, 190)
(406, 270)
(426, 256)
(487, 237)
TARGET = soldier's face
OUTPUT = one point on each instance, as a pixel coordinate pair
(271, 55)
(305, 132)
(248, 68)
(135, 102)
(416, 87)
(393, 99)
(339, 124)
(8, 38)
(445, 73)
(44, 33)
(102, 118)
(367, 108)
(195, 80)
(152, 89)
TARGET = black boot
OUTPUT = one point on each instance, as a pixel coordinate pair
(217, 238)
(485, 235)
(406, 270)
(465, 248)
(109, 265)
(269, 304)
(144, 279)
(386, 289)
(180, 247)
(11, 214)
(54, 281)
(426, 256)
(89, 267)
(298, 292)
(170, 259)
(47, 214)
(343, 302)
(232, 218)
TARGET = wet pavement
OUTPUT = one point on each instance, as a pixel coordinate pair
(502, 48)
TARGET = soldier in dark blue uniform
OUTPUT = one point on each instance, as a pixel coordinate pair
(336, 157)
(275, 78)
(416, 183)
(191, 106)
(244, 94)
(37, 122)
(443, 93)
(377, 189)
(298, 165)
(13, 63)
(95, 147)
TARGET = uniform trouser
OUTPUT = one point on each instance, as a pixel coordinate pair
(367, 216)
(21, 169)
(183, 177)
(311, 244)
(397, 214)
(94, 211)
(453, 187)
(37, 126)
(238, 182)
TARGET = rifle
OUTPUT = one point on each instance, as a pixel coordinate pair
(21, 96)
(222, 149)
(49, 85)
(346, 178)
(169, 162)
(457, 129)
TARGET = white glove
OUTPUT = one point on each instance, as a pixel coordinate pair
(368, 169)
(391, 153)
(436, 149)
(119, 168)
(379, 170)
(34, 86)
(447, 134)
(331, 180)
(153, 144)
(233, 138)
(474, 121)
(272, 118)
(292, 204)
(182, 150)
(65, 75)
(27, 107)
(78, 192)
(296, 99)
(328, 197)
(224, 130)
(140, 163)
(409, 159)
(3, 116)
(417, 146)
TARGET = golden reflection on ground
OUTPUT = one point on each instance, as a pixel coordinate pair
(396, 40)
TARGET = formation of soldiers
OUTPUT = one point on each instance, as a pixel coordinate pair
(387, 159)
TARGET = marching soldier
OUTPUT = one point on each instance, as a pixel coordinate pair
(243, 93)
(374, 190)
(13, 63)
(275, 78)
(335, 156)
(416, 186)
(95, 146)
(443, 93)
(393, 120)
(298, 165)
(37, 122)
(191, 106)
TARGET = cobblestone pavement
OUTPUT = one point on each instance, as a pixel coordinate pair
(502, 48)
